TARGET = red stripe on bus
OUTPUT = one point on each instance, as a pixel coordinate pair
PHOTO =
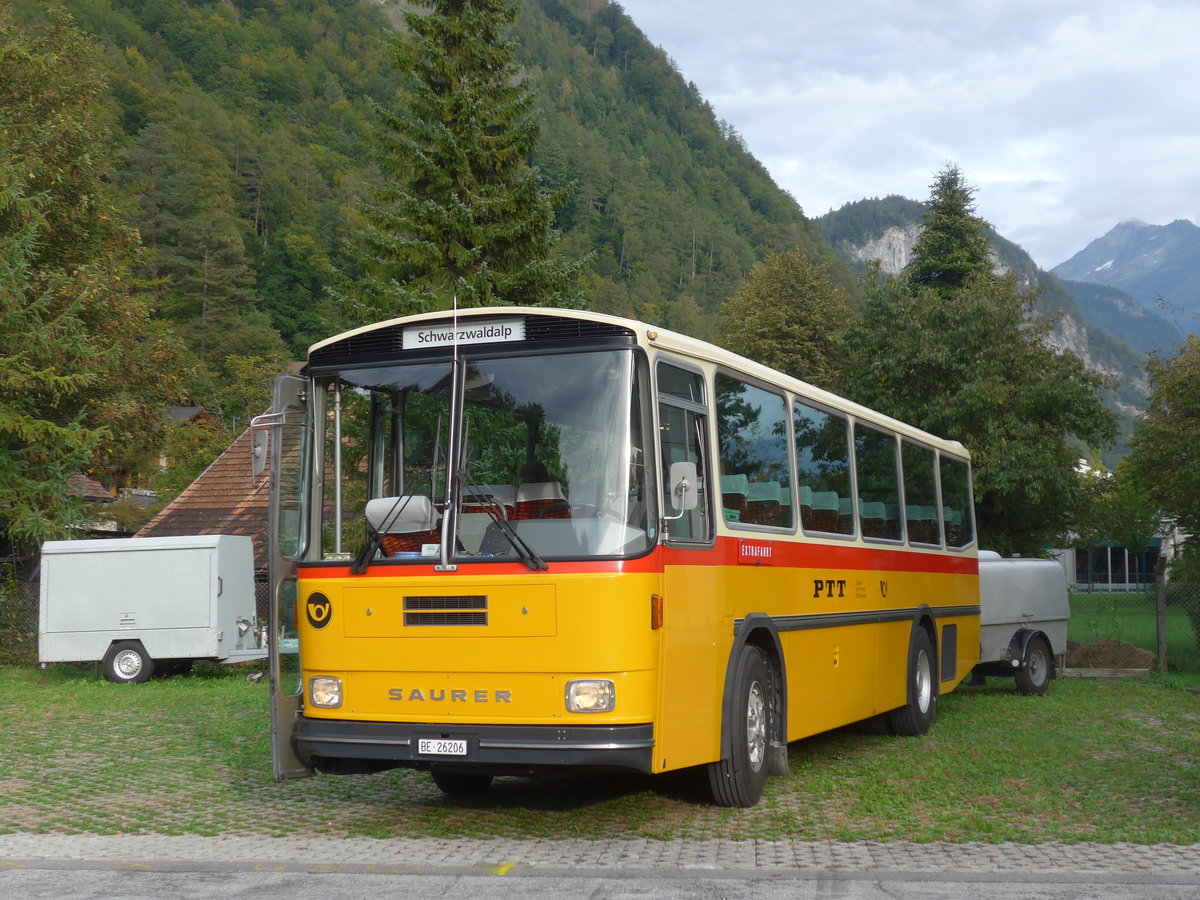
(728, 551)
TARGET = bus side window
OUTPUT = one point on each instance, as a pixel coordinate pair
(957, 509)
(878, 483)
(756, 465)
(823, 470)
(920, 494)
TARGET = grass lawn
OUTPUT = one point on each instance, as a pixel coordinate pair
(1090, 761)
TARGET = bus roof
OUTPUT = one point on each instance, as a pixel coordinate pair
(654, 337)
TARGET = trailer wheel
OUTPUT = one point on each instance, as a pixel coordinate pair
(1034, 677)
(738, 781)
(918, 712)
(127, 662)
(461, 784)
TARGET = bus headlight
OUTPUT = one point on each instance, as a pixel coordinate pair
(325, 691)
(591, 696)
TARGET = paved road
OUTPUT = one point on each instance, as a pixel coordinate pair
(299, 868)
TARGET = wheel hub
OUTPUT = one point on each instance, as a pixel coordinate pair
(756, 727)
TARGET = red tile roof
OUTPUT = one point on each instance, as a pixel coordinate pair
(225, 499)
(82, 486)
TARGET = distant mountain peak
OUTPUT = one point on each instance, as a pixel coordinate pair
(1155, 264)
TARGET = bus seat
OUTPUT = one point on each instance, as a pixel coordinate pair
(824, 514)
(534, 498)
(954, 530)
(762, 503)
(405, 524)
(806, 500)
(845, 516)
(500, 498)
(733, 491)
(874, 518)
(922, 524)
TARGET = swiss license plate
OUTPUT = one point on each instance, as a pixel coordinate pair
(441, 747)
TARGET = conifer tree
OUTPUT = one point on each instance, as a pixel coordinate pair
(953, 246)
(461, 215)
(83, 374)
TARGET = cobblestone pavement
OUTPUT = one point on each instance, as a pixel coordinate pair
(1179, 863)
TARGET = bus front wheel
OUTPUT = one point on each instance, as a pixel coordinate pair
(738, 780)
(918, 712)
(461, 784)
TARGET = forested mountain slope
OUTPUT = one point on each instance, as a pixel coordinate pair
(245, 130)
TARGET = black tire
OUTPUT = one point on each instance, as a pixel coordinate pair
(920, 708)
(461, 784)
(1034, 676)
(738, 781)
(127, 662)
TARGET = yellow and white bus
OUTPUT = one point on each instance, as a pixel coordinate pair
(511, 540)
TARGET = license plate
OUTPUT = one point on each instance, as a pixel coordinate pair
(441, 747)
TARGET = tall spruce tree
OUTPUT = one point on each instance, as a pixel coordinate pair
(462, 216)
(953, 246)
(83, 373)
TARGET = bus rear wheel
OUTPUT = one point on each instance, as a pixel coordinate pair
(738, 780)
(920, 709)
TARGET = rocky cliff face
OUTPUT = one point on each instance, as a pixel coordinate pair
(892, 248)
(1073, 332)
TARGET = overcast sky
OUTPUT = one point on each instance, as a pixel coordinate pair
(1068, 116)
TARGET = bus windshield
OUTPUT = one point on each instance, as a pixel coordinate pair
(548, 450)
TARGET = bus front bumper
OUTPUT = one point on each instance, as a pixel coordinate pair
(478, 747)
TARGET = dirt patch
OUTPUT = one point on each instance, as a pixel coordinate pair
(1108, 654)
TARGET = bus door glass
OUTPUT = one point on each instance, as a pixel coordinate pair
(683, 430)
(289, 524)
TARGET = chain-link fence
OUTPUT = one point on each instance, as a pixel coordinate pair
(1106, 628)
(18, 620)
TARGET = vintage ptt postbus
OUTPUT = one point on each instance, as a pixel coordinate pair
(508, 540)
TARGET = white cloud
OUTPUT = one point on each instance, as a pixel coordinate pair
(1067, 116)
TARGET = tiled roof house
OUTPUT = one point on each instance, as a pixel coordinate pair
(88, 489)
(225, 499)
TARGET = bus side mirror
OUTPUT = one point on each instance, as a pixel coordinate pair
(258, 451)
(685, 494)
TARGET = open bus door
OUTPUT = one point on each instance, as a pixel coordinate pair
(290, 432)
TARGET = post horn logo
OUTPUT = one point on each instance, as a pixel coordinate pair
(319, 610)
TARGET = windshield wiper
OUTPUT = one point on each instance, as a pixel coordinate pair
(492, 507)
(375, 537)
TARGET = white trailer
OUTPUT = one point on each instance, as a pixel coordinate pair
(1023, 616)
(140, 604)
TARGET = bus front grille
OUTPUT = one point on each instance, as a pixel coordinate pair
(441, 611)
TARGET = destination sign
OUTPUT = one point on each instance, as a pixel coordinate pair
(444, 334)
